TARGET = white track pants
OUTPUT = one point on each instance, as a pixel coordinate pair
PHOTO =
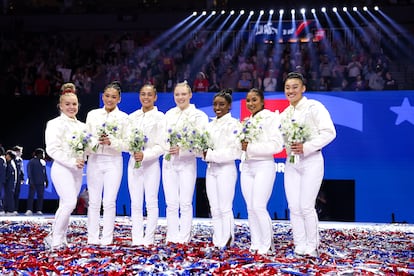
(144, 182)
(257, 179)
(302, 184)
(104, 176)
(67, 183)
(220, 185)
(179, 178)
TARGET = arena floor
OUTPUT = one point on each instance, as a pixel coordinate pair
(346, 249)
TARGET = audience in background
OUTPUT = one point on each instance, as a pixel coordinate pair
(38, 64)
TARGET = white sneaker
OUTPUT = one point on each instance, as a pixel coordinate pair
(2, 213)
(28, 213)
(311, 252)
(39, 213)
(47, 241)
(15, 213)
(300, 250)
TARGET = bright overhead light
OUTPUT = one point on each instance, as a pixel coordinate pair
(281, 11)
(292, 11)
(323, 9)
(194, 13)
(302, 11)
(345, 9)
(365, 8)
(204, 13)
(355, 9)
(376, 8)
(334, 9)
(213, 12)
(242, 12)
(271, 12)
(313, 11)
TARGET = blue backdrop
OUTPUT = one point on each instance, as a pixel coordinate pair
(373, 147)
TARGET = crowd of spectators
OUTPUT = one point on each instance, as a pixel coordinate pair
(38, 63)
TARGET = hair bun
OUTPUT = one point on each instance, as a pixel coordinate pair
(228, 91)
(116, 84)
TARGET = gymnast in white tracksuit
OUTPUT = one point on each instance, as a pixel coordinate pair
(303, 179)
(145, 180)
(105, 163)
(67, 167)
(180, 172)
(221, 175)
(258, 170)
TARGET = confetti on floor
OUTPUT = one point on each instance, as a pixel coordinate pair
(346, 249)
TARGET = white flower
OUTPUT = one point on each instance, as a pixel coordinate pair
(137, 143)
(251, 129)
(79, 142)
(189, 137)
(293, 132)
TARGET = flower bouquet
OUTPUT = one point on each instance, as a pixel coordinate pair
(199, 141)
(137, 143)
(79, 142)
(106, 129)
(250, 131)
(293, 132)
(189, 138)
(174, 138)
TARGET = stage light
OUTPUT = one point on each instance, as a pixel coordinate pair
(194, 13)
(323, 9)
(345, 9)
(242, 12)
(292, 11)
(204, 13)
(313, 11)
(365, 8)
(232, 12)
(223, 12)
(281, 12)
(376, 8)
(334, 9)
(271, 12)
(251, 12)
(302, 11)
(213, 12)
(354, 9)
(261, 12)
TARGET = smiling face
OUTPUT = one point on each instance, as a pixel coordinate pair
(182, 96)
(69, 105)
(147, 97)
(221, 106)
(294, 89)
(111, 97)
(254, 102)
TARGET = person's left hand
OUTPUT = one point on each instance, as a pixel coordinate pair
(104, 140)
(297, 148)
(244, 145)
(138, 156)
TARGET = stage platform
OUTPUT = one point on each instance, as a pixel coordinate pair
(345, 249)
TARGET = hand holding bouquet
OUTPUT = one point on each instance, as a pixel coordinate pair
(79, 142)
(107, 129)
(189, 138)
(137, 143)
(293, 132)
